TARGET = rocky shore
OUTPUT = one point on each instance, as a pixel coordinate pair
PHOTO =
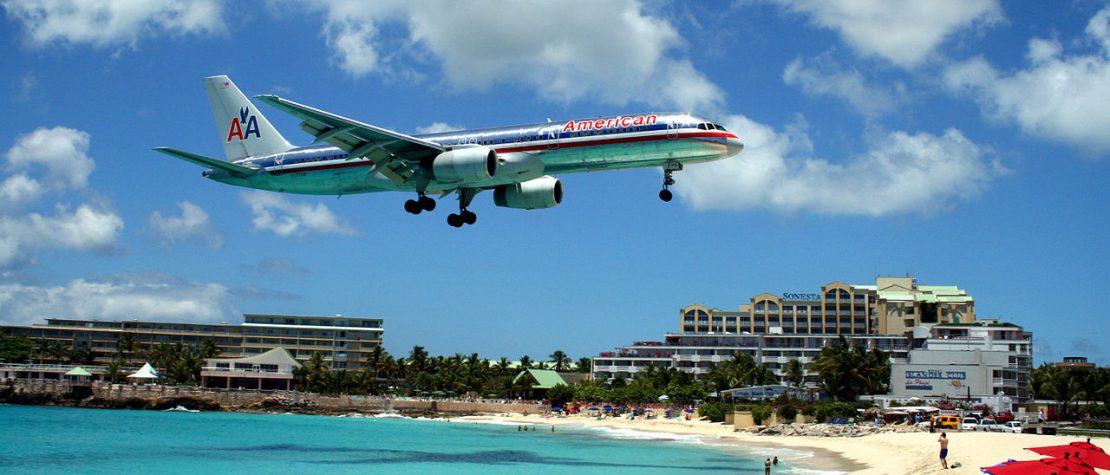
(829, 430)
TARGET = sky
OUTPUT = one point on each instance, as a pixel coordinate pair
(961, 142)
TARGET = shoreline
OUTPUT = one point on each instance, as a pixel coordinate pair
(874, 454)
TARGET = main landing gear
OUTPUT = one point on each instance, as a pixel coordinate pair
(465, 216)
(421, 204)
(668, 180)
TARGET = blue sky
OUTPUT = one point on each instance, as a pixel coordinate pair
(961, 142)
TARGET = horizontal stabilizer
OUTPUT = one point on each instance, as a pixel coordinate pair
(209, 162)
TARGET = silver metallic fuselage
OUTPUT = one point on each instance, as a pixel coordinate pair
(561, 147)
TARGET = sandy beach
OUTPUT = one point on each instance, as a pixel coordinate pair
(886, 453)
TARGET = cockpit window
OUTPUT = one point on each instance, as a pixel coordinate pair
(718, 127)
(703, 126)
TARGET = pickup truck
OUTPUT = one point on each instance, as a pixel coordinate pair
(988, 425)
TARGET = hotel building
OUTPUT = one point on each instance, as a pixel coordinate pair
(344, 342)
(895, 315)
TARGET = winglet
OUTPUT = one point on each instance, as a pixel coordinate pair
(237, 170)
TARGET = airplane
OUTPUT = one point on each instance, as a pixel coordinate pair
(515, 162)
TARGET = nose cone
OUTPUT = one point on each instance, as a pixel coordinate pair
(734, 146)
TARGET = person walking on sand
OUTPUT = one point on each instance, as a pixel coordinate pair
(943, 450)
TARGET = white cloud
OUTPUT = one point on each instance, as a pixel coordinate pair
(823, 77)
(139, 296)
(902, 173)
(85, 229)
(565, 52)
(58, 155)
(112, 22)
(903, 32)
(438, 127)
(273, 212)
(60, 150)
(193, 223)
(1058, 97)
(17, 191)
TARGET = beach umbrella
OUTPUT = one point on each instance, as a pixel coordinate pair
(1085, 452)
(1041, 467)
(689, 410)
(608, 407)
(664, 397)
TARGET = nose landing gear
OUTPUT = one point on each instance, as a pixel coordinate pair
(668, 180)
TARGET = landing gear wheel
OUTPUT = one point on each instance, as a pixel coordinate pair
(469, 217)
(455, 220)
(665, 195)
(426, 203)
(413, 207)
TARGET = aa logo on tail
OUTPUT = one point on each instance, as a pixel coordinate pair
(244, 120)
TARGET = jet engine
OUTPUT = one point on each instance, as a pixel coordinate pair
(468, 165)
(538, 193)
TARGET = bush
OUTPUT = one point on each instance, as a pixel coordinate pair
(809, 409)
(830, 410)
(761, 413)
(787, 413)
(560, 394)
(714, 411)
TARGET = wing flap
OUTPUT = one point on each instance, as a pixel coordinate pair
(209, 162)
(343, 132)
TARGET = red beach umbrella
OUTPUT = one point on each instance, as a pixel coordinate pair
(1049, 466)
(1085, 452)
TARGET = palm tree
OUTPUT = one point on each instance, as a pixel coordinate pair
(560, 360)
(209, 348)
(115, 371)
(795, 373)
(847, 371)
(585, 365)
(525, 362)
(126, 345)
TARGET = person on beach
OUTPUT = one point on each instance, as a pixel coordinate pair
(775, 461)
(767, 467)
(943, 450)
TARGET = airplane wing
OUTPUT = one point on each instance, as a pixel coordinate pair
(237, 170)
(394, 154)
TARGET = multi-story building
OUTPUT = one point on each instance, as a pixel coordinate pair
(344, 342)
(698, 354)
(981, 359)
(892, 306)
(895, 315)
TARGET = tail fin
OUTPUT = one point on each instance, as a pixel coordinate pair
(244, 131)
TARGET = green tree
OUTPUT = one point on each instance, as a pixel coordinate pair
(560, 361)
(847, 371)
(560, 394)
(126, 346)
(209, 348)
(795, 373)
(584, 365)
(16, 348)
(115, 371)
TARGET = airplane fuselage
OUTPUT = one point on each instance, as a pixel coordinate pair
(525, 151)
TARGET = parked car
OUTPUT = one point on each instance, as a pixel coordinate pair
(948, 422)
(968, 423)
(988, 425)
(1011, 426)
(1003, 417)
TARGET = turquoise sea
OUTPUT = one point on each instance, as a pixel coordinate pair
(68, 440)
